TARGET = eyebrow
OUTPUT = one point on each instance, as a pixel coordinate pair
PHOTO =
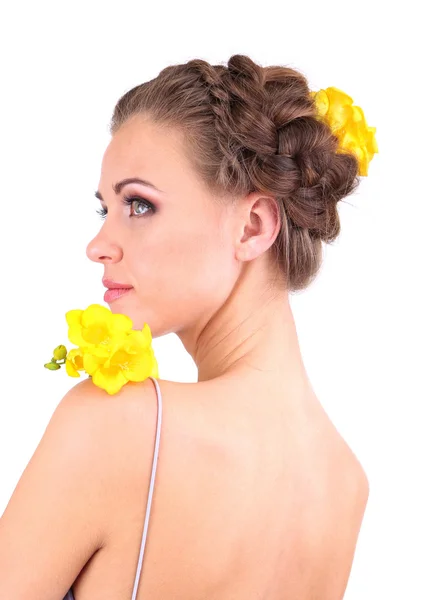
(117, 187)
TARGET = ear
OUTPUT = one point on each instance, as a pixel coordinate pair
(259, 225)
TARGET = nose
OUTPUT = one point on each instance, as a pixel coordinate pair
(101, 250)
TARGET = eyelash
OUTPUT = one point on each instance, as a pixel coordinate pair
(129, 201)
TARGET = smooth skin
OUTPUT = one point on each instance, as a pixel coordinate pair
(257, 495)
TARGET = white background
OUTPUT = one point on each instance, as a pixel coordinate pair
(366, 325)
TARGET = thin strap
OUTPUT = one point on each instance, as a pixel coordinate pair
(151, 488)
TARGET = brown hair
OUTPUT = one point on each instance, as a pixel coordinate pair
(252, 128)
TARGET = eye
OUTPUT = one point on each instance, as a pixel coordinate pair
(102, 212)
(129, 200)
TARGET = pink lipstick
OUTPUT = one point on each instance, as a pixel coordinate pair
(113, 294)
(115, 290)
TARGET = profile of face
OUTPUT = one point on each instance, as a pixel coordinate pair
(174, 243)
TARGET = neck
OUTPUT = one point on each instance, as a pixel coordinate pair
(251, 333)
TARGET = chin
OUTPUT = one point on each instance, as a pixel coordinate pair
(138, 317)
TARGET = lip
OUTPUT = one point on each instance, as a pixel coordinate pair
(113, 285)
(113, 294)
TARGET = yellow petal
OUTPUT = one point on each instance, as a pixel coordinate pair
(73, 317)
(96, 333)
(322, 102)
(110, 380)
(121, 323)
(338, 98)
(147, 334)
(71, 371)
(95, 313)
(75, 336)
(139, 367)
(358, 117)
(372, 145)
(338, 116)
(363, 171)
(155, 370)
(136, 341)
(349, 138)
(102, 352)
(91, 362)
(76, 357)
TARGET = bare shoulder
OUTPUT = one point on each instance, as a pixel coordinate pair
(65, 494)
(122, 427)
(110, 413)
(353, 472)
(348, 489)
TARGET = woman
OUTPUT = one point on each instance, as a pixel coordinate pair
(217, 188)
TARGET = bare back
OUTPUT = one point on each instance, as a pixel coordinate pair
(256, 496)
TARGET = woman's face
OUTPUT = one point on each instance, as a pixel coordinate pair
(174, 246)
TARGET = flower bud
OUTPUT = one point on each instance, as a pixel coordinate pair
(59, 353)
(52, 366)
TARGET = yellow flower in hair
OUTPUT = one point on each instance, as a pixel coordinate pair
(109, 350)
(348, 123)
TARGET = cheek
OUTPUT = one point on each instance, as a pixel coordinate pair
(202, 256)
(196, 260)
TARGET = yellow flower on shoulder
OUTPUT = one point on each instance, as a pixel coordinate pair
(109, 350)
(131, 359)
(348, 123)
(96, 325)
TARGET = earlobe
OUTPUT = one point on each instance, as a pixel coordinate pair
(249, 250)
(243, 253)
